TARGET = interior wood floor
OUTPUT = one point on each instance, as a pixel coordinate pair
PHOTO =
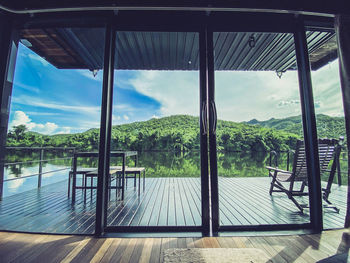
(16, 247)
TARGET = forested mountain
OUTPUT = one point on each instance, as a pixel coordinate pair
(181, 132)
(327, 127)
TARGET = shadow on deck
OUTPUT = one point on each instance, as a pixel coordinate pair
(164, 202)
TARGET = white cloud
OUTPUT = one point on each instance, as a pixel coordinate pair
(239, 95)
(126, 117)
(27, 87)
(37, 113)
(34, 101)
(15, 183)
(115, 118)
(64, 130)
(20, 118)
(47, 128)
(123, 107)
(327, 91)
(245, 95)
(284, 103)
(242, 96)
(176, 91)
(38, 58)
(83, 125)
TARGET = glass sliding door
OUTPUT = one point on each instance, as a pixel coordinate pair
(156, 128)
(55, 113)
(330, 124)
(260, 153)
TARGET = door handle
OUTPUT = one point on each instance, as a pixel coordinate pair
(204, 117)
(215, 117)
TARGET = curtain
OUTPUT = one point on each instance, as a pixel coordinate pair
(342, 28)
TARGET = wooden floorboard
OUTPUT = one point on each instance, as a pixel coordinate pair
(187, 211)
(192, 190)
(164, 202)
(145, 201)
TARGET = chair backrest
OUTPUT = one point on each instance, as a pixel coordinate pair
(326, 150)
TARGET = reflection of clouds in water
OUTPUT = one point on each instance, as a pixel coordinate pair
(24, 171)
(25, 184)
(52, 167)
(15, 183)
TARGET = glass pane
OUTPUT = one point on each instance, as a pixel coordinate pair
(259, 124)
(155, 113)
(330, 124)
(55, 112)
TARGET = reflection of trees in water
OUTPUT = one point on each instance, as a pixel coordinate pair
(30, 159)
(239, 164)
(90, 162)
(248, 164)
(171, 164)
(27, 156)
(16, 170)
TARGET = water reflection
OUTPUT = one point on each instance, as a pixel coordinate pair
(157, 164)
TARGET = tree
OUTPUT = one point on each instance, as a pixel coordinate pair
(18, 132)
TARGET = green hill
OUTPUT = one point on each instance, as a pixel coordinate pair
(181, 132)
(327, 127)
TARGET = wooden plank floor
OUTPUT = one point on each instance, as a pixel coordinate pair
(16, 247)
(164, 202)
(246, 201)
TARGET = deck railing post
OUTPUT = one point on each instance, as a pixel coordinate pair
(40, 167)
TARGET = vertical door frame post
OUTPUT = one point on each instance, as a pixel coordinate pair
(105, 131)
(309, 127)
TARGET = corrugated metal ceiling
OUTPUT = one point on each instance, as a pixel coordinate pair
(157, 51)
(83, 48)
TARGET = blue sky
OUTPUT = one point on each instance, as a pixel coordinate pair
(50, 100)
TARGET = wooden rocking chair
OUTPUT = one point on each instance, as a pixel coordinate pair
(328, 150)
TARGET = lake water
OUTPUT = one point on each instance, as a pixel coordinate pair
(157, 164)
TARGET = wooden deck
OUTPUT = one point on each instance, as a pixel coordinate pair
(165, 202)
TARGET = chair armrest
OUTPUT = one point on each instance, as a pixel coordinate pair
(277, 170)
